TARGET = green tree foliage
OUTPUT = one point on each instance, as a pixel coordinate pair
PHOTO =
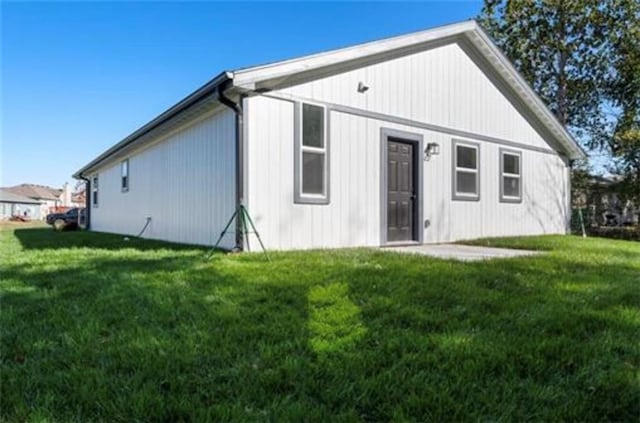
(582, 57)
(624, 95)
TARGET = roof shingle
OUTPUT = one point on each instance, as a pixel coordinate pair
(38, 192)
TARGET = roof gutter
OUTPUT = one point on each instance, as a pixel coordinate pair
(87, 201)
(237, 109)
(207, 89)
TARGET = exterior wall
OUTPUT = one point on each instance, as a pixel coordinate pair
(185, 182)
(440, 87)
(11, 209)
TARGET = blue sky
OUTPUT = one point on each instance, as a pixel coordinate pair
(79, 77)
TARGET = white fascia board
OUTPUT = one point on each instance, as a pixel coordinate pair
(170, 113)
(247, 78)
(504, 67)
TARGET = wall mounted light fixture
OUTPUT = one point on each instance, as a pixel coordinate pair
(362, 88)
(432, 149)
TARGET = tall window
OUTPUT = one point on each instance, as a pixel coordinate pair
(510, 176)
(94, 191)
(124, 175)
(466, 165)
(311, 156)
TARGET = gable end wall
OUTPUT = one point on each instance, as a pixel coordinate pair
(438, 88)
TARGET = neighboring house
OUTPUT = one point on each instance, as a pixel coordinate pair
(601, 199)
(17, 205)
(79, 199)
(422, 138)
(50, 199)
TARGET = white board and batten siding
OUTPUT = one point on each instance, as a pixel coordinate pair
(184, 181)
(440, 87)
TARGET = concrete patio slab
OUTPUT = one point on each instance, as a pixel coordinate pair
(460, 252)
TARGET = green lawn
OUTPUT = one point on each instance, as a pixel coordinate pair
(96, 328)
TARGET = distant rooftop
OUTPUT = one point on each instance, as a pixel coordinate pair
(38, 192)
(9, 197)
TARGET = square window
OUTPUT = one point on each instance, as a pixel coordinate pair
(312, 126)
(510, 176)
(466, 157)
(94, 191)
(511, 187)
(466, 183)
(124, 172)
(511, 164)
(312, 173)
(466, 173)
(311, 158)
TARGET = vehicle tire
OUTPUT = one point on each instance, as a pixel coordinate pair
(59, 224)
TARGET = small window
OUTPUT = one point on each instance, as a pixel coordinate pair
(510, 176)
(124, 175)
(466, 177)
(311, 156)
(94, 191)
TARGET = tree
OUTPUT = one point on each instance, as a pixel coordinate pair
(624, 95)
(582, 58)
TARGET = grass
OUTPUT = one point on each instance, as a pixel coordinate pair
(96, 328)
(7, 225)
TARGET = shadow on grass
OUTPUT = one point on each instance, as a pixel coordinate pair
(167, 339)
(355, 335)
(46, 238)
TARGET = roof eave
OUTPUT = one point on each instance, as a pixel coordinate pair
(250, 78)
(527, 93)
(207, 89)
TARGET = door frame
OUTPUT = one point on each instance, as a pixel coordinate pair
(418, 154)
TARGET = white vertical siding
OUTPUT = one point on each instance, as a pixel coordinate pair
(441, 86)
(352, 218)
(185, 183)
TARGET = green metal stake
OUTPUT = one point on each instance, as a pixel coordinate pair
(242, 214)
(224, 231)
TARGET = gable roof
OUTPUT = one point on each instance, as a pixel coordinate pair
(265, 76)
(268, 76)
(39, 192)
(9, 197)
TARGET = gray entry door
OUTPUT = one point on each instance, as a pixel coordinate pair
(401, 195)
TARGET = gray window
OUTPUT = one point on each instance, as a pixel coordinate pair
(124, 175)
(466, 175)
(311, 167)
(312, 126)
(510, 176)
(94, 191)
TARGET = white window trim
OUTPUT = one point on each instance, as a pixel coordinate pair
(95, 189)
(510, 198)
(299, 196)
(122, 188)
(464, 196)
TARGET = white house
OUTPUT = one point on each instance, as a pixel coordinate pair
(422, 138)
(18, 205)
(50, 199)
